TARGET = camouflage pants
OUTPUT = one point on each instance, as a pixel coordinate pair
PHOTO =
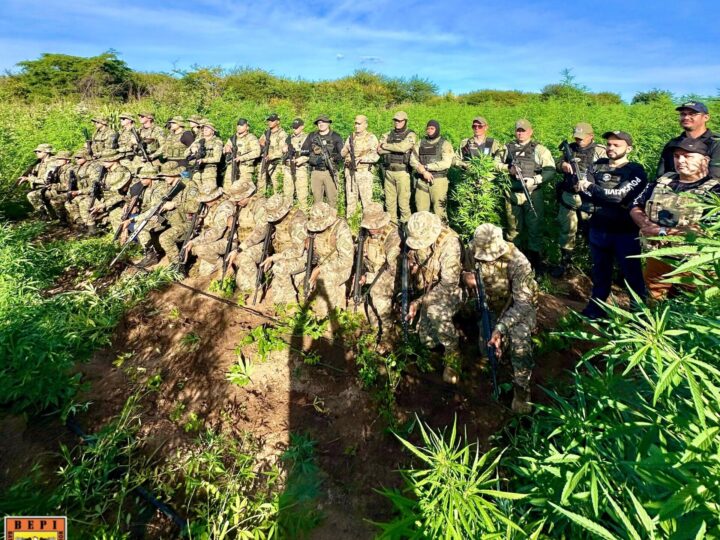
(521, 219)
(166, 237)
(209, 253)
(435, 194)
(274, 172)
(328, 294)
(322, 184)
(299, 186)
(397, 195)
(81, 203)
(57, 201)
(568, 220)
(285, 272)
(36, 197)
(435, 325)
(380, 303)
(72, 208)
(518, 344)
(363, 187)
(206, 178)
(245, 174)
(247, 264)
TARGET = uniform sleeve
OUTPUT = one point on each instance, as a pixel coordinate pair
(445, 161)
(414, 160)
(544, 159)
(258, 234)
(501, 159)
(403, 146)
(644, 196)
(450, 265)
(715, 158)
(522, 282)
(369, 154)
(214, 153)
(392, 252)
(339, 264)
(633, 183)
(298, 234)
(253, 152)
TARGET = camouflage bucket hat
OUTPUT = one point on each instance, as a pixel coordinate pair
(99, 120)
(64, 154)
(241, 190)
(128, 115)
(423, 229)
(147, 114)
(179, 120)
(195, 118)
(374, 217)
(148, 171)
(210, 195)
(44, 148)
(208, 123)
(488, 243)
(113, 157)
(81, 153)
(276, 208)
(171, 168)
(322, 215)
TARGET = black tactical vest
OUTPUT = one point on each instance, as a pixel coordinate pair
(584, 155)
(397, 158)
(471, 148)
(524, 156)
(430, 153)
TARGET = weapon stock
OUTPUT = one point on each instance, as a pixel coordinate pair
(309, 265)
(359, 255)
(404, 284)
(231, 237)
(233, 156)
(484, 324)
(72, 185)
(260, 272)
(97, 188)
(353, 162)
(88, 142)
(141, 145)
(192, 233)
(568, 157)
(127, 211)
(320, 142)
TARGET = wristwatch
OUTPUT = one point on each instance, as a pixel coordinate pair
(662, 231)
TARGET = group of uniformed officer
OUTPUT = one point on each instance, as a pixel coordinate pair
(197, 198)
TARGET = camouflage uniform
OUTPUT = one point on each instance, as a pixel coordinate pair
(365, 150)
(248, 150)
(252, 225)
(206, 173)
(274, 159)
(87, 173)
(334, 250)
(511, 294)
(172, 148)
(395, 149)
(153, 138)
(381, 254)
(57, 194)
(537, 166)
(126, 145)
(210, 244)
(436, 156)
(104, 140)
(38, 177)
(435, 252)
(288, 244)
(117, 180)
(298, 182)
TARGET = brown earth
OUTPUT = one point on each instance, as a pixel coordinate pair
(189, 340)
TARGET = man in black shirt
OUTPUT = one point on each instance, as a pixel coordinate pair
(694, 117)
(319, 144)
(611, 185)
(668, 208)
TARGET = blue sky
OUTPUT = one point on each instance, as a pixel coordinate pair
(622, 46)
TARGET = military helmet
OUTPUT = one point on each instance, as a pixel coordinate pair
(128, 115)
(423, 229)
(210, 195)
(64, 154)
(241, 190)
(148, 171)
(171, 168)
(277, 207)
(47, 148)
(488, 243)
(321, 216)
(374, 216)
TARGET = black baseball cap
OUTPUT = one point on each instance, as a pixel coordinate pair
(272, 117)
(242, 121)
(691, 145)
(696, 106)
(297, 123)
(323, 118)
(622, 135)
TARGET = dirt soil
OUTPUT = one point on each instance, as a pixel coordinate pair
(189, 340)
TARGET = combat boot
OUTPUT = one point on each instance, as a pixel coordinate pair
(520, 402)
(536, 262)
(565, 260)
(451, 373)
(151, 257)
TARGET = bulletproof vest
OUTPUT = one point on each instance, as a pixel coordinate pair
(524, 156)
(430, 152)
(246, 219)
(126, 140)
(326, 241)
(374, 252)
(397, 158)
(316, 159)
(174, 149)
(471, 148)
(430, 269)
(584, 156)
(282, 239)
(669, 208)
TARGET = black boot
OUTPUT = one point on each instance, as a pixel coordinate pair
(565, 260)
(536, 262)
(151, 257)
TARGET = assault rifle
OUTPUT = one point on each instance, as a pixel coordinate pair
(259, 278)
(264, 159)
(329, 163)
(404, 283)
(129, 207)
(359, 255)
(177, 188)
(140, 145)
(72, 185)
(568, 157)
(193, 231)
(484, 324)
(521, 178)
(353, 162)
(290, 157)
(231, 238)
(97, 188)
(312, 260)
(198, 155)
(233, 157)
(88, 142)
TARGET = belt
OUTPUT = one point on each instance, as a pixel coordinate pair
(396, 167)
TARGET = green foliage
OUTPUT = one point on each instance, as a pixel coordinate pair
(225, 287)
(653, 96)
(454, 493)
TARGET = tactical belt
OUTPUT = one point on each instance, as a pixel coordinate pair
(396, 167)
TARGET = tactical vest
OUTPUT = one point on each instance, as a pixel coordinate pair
(174, 149)
(246, 218)
(429, 273)
(524, 157)
(151, 137)
(326, 241)
(472, 150)
(669, 208)
(397, 160)
(282, 239)
(584, 156)
(375, 250)
(432, 153)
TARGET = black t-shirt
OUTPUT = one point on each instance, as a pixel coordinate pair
(612, 192)
(676, 185)
(332, 142)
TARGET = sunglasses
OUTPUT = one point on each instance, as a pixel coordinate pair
(398, 120)
(520, 129)
(478, 126)
(358, 123)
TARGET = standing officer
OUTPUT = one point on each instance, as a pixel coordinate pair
(248, 152)
(321, 143)
(274, 137)
(295, 174)
(477, 145)
(395, 148)
(432, 158)
(362, 146)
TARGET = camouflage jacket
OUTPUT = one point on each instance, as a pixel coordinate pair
(296, 141)
(439, 266)
(152, 137)
(364, 147)
(126, 144)
(216, 222)
(248, 149)
(39, 175)
(381, 251)
(213, 150)
(252, 222)
(277, 141)
(335, 251)
(172, 148)
(103, 141)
